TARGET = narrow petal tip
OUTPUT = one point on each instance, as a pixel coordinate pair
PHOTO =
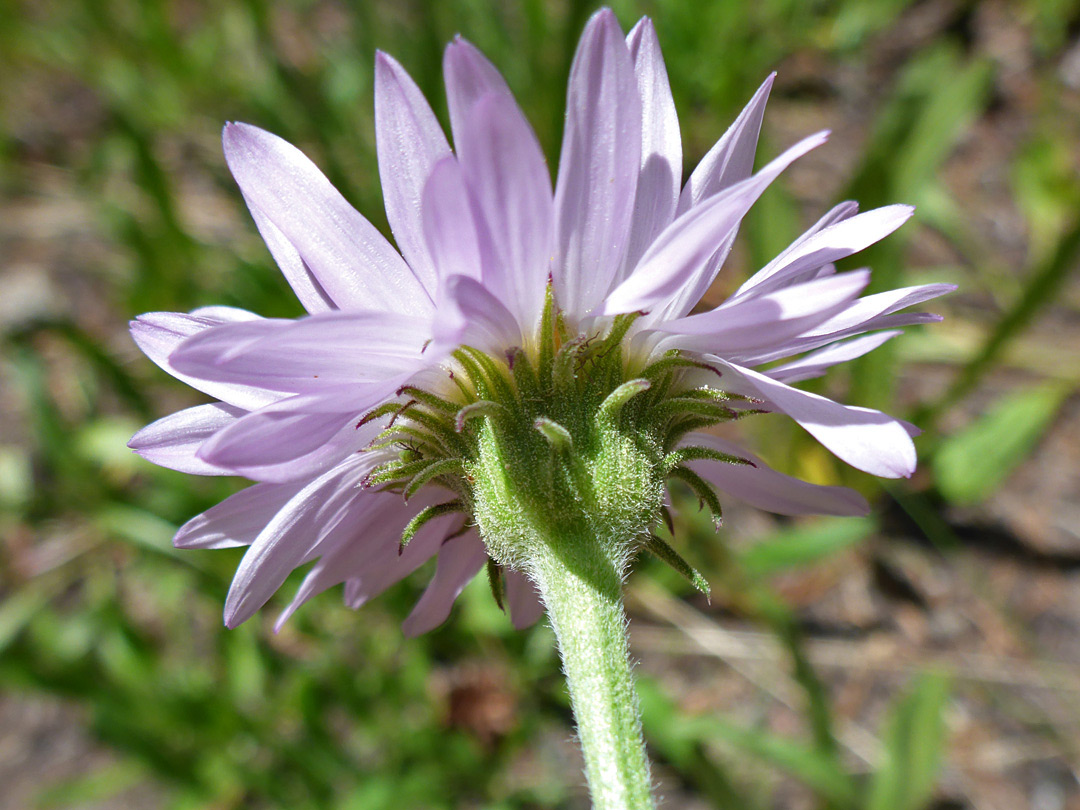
(458, 47)
(235, 136)
(901, 211)
(860, 507)
(602, 23)
(237, 607)
(283, 618)
(899, 461)
(605, 13)
(384, 64)
(137, 442)
(233, 129)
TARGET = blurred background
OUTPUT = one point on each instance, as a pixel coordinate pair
(925, 657)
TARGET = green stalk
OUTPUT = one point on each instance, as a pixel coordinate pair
(581, 586)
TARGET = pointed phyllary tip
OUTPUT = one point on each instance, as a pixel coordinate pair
(556, 434)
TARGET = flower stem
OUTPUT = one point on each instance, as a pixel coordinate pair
(581, 585)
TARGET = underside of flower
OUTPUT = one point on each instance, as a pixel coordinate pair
(527, 364)
(518, 382)
(577, 436)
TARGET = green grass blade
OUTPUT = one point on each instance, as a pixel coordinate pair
(972, 464)
(914, 748)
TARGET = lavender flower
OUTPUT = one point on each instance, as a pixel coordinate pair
(525, 343)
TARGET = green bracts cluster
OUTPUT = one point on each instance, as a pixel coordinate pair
(574, 436)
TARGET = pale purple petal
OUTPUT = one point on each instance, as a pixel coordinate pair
(837, 213)
(815, 364)
(677, 258)
(292, 265)
(469, 76)
(381, 565)
(275, 440)
(409, 142)
(805, 344)
(191, 354)
(829, 244)
(460, 559)
(661, 146)
(292, 535)
(821, 272)
(449, 226)
(522, 599)
(354, 528)
(472, 316)
(508, 182)
(174, 440)
(309, 354)
(912, 430)
(389, 568)
(158, 334)
(731, 160)
(298, 436)
(755, 323)
(867, 439)
(217, 314)
(238, 519)
(872, 307)
(598, 167)
(767, 489)
(365, 541)
(352, 262)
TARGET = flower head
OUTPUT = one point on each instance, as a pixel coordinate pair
(529, 354)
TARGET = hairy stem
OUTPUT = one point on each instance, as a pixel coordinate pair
(581, 586)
